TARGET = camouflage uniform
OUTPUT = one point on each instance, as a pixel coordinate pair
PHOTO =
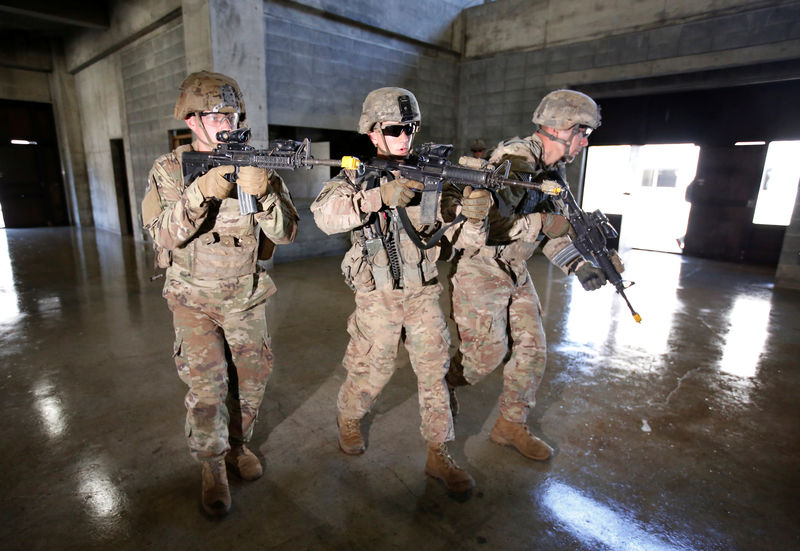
(493, 297)
(348, 203)
(217, 294)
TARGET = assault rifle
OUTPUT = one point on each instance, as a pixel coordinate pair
(430, 166)
(591, 232)
(233, 150)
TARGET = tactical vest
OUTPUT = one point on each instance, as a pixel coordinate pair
(226, 244)
(383, 256)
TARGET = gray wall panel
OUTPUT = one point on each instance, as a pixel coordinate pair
(319, 71)
(152, 69)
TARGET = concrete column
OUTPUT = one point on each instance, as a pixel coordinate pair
(788, 272)
(227, 36)
(66, 112)
(197, 35)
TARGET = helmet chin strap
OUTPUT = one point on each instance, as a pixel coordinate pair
(567, 158)
(208, 141)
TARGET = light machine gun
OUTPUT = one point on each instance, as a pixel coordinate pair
(233, 150)
(591, 232)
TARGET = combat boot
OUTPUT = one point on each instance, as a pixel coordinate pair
(519, 436)
(350, 440)
(244, 462)
(440, 465)
(216, 495)
(455, 375)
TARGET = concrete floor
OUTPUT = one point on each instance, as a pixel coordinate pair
(678, 433)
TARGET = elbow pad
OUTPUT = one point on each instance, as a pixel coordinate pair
(567, 257)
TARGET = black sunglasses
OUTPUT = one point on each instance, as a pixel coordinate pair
(395, 130)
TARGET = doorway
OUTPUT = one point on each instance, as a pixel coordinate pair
(121, 186)
(642, 189)
(31, 188)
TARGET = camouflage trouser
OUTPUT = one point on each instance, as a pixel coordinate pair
(489, 306)
(374, 329)
(223, 400)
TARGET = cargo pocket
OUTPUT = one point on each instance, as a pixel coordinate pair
(429, 270)
(359, 347)
(381, 272)
(181, 364)
(356, 270)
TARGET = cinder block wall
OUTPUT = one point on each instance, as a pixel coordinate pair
(152, 70)
(320, 69)
(517, 50)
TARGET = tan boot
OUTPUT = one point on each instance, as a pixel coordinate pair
(216, 495)
(440, 465)
(519, 436)
(244, 463)
(350, 440)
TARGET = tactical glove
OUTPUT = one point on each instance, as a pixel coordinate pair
(214, 184)
(476, 203)
(398, 192)
(554, 225)
(590, 277)
(253, 180)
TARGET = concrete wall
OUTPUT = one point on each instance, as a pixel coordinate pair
(506, 25)
(100, 102)
(517, 50)
(788, 274)
(129, 20)
(432, 21)
(24, 85)
(320, 69)
(67, 117)
(151, 71)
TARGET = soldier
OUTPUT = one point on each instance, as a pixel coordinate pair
(478, 148)
(214, 285)
(493, 297)
(395, 283)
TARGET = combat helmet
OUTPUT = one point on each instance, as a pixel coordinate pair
(205, 91)
(388, 104)
(478, 145)
(562, 109)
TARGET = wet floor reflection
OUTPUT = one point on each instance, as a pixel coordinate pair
(49, 405)
(99, 493)
(746, 335)
(733, 325)
(102, 500)
(599, 322)
(595, 523)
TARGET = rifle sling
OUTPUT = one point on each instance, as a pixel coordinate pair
(414, 236)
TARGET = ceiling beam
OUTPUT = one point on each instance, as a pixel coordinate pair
(92, 15)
